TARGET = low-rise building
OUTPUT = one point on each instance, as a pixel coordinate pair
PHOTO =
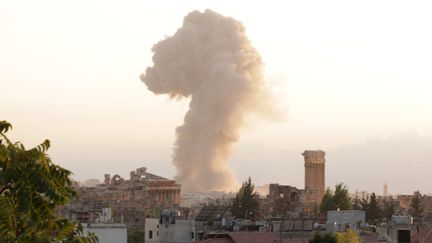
(341, 220)
(107, 233)
(170, 227)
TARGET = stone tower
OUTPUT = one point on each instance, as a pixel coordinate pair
(315, 172)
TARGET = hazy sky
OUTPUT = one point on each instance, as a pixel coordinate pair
(354, 78)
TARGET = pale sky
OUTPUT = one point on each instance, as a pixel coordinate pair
(354, 77)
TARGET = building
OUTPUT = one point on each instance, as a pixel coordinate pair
(255, 237)
(212, 218)
(399, 230)
(107, 233)
(338, 221)
(170, 227)
(143, 195)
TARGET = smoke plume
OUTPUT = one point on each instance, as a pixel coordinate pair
(210, 60)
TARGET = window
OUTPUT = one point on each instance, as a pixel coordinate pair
(150, 234)
(294, 197)
(192, 235)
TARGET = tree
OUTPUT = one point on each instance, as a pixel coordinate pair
(373, 210)
(348, 237)
(324, 238)
(245, 204)
(327, 202)
(339, 200)
(364, 203)
(416, 206)
(135, 236)
(356, 203)
(389, 209)
(31, 187)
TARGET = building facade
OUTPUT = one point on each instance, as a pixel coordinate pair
(170, 227)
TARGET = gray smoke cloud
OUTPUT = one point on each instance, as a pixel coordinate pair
(210, 60)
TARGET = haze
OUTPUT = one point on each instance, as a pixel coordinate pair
(354, 79)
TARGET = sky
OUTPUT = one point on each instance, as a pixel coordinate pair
(353, 79)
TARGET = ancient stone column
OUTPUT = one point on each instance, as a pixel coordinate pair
(315, 172)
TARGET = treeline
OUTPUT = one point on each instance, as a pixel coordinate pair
(376, 210)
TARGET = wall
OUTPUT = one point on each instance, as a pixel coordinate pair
(108, 233)
(180, 231)
(151, 225)
(337, 220)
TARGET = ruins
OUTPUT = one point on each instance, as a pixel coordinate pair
(131, 201)
(145, 195)
(288, 200)
(315, 173)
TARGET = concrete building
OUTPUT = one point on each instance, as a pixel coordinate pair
(399, 230)
(107, 233)
(170, 227)
(338, 221)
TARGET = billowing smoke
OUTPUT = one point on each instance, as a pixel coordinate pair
(210, 60)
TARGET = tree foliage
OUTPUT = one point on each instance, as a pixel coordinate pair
(327, 202)
(389, 209)
(245, 204)
(324, 238)
(349, 236)
(416, 206)
(356, 203)
(339, 200)
(373, 209)
(135, 237)
(341, 197)
(31, 187)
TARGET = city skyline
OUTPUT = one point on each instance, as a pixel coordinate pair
(353, 80)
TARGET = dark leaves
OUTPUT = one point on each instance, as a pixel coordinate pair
(31, 187)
